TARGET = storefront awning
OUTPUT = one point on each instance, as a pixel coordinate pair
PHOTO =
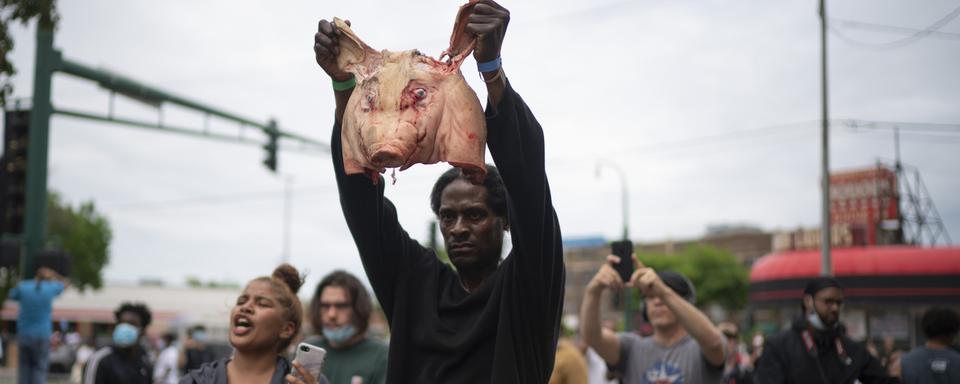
(892, 273)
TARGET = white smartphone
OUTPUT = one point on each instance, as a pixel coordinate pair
(311, 358)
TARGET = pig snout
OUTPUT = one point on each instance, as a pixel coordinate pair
(397, 146)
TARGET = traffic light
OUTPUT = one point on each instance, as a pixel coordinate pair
(9, 253)
(59, 261)
(13, 172)
(273, 135)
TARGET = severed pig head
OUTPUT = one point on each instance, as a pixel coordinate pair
(408, 108)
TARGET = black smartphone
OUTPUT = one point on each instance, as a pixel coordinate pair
(624, 250)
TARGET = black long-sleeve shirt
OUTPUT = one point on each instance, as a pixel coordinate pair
(786, 360)
(506, 330)
(108, 365)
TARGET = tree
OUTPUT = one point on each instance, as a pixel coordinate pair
(83, 233)
(717, 274)
(22, 11)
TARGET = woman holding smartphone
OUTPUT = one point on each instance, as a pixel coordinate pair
(264, 321)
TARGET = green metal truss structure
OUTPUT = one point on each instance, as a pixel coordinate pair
(49, 61)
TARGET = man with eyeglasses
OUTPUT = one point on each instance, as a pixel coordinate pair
(816, 348)
(340, 312)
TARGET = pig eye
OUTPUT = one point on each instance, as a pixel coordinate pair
(370, 98)
(420, 93)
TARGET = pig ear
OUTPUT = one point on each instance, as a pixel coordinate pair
(356, 56)
(461, 42)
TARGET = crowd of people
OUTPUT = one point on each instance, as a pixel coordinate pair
(814, 349)
(683, 347)
(263, 324)
(485, 317)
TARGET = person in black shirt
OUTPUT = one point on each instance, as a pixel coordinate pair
(489, 320)
(935, 362)
(195, 352)
(816, 348)
(125, 361)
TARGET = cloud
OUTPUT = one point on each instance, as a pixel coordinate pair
(622, 81)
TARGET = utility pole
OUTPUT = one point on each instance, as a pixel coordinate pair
(35, 217)
(896, 148)
(901, 237)
(628, 293)
(624, 196)
(432, 233)
(287, 215)
(826, 268)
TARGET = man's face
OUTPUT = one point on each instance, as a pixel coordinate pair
(827, 303)
(472, 233)
(335, 308)
(133, 319)
(659, 314)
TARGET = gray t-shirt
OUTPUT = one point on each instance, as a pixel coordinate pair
(934, 366)
(642, 361)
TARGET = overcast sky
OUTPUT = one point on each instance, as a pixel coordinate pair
(660, 88)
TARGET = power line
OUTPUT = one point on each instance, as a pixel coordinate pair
(784, 128)
(917, 36)
(844, 23)
(901, 125)
(914, 137)
(918, 129)
(210, 200)
(718, 138)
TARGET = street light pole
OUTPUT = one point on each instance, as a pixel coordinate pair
(624, 195)
(287, 211)
(35, 215)
(825, 264)
(624, 204)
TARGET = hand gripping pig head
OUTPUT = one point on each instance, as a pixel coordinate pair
(408, 108)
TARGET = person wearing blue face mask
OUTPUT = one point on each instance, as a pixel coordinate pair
(124, 361)
(340, 313)
(195, 352)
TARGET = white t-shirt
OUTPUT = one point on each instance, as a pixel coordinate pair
(165, 371)
(596, 368)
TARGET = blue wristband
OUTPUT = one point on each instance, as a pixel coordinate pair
(489, 66)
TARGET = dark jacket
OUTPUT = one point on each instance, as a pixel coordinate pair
(786, 359)
(506, 330)
(215, 372)
(109, 365)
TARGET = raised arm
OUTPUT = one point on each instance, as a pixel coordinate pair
(49, 274)
(605, 342)
(488, 22)
(696, 323)
(326, 46)
(515, 140)
(385, 248)
(534, 272)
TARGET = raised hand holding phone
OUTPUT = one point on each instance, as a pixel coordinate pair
(624, 250)
(309, 360)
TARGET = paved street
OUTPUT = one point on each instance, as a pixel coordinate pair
(9, 376)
